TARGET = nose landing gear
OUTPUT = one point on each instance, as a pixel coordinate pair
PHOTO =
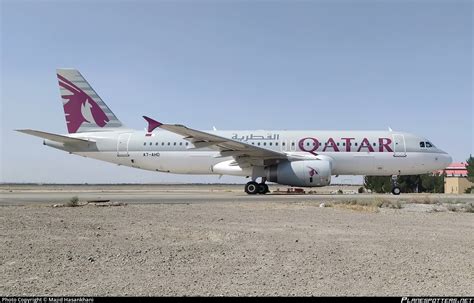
(395, 188)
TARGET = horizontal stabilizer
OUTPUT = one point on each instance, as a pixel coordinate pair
(54, 137)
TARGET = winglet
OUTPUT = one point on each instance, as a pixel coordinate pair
(152, 124)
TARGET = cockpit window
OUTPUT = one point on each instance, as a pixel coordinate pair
(428, 144)
(422, 144)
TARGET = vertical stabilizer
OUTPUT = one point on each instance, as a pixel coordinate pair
(84, 109)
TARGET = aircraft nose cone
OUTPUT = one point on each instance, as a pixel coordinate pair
(441, 161)
(445, 160)
(448, 160)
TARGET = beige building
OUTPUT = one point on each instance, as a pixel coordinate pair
(456, 185)
(456, 181)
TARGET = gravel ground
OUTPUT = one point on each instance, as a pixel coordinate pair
(257, 248)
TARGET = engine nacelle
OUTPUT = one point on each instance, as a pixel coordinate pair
(230, 167)
(306, 173)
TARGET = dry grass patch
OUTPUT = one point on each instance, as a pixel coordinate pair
(356, 207)
(425, 200)
(395, 204)
(467, 208)
(73, 202)
(366, 205)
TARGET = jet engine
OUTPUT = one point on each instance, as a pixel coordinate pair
(306, 173)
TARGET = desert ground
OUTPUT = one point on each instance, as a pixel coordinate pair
(163, 242)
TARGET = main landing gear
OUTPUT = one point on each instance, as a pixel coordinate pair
(395, 188)
(253, 188)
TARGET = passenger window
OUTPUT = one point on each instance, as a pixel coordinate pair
(270, 143)
(428, 144)
(343, 143)
(169, 144)
(174, 143)
(156, 143)
(422, 144)
(180, 143)
(356, 144)
(264, 143)
(151, 143)
(186, 143)
(337, 143)
(144, 143)
(276, 143)
(162, 143)
(292, 143)
(283, 143)
(258, 143)
(307, 143)
(374, 144)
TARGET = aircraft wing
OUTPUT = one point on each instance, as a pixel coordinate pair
(228, 147)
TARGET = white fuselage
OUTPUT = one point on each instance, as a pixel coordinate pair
(296, 158)
(349, 152)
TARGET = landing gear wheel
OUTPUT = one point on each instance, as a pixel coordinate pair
(251, 188)
(396, 190)
(263, 188)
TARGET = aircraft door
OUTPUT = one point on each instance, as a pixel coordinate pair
(399, 147)
(122, 145)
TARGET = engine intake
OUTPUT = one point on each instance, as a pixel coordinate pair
(306, 173)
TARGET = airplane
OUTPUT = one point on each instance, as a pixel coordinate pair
(306, 158)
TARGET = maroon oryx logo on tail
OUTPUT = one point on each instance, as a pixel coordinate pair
(80, 107)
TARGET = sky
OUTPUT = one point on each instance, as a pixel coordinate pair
(355, 65)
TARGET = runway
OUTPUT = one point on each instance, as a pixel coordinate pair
(178, 194)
